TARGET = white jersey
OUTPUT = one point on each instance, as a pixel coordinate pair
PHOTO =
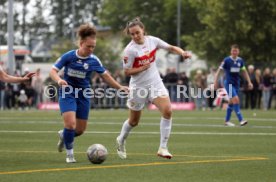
(137, 55)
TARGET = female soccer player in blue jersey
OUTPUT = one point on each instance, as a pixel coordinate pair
(232, 65)
(74, 101)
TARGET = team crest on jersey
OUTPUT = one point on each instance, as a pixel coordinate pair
(125, 60)
(239, 64)
(85, 66)
(147, 53)
(79, 61)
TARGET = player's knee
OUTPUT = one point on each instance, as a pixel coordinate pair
(70, 125)
(78, 133)
(167, 113)
(133, 122)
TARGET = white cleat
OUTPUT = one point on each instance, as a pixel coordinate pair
(121, 149)
(60, 144)
(70, 159)
(242, 123)
(228, 123)
(163, 152)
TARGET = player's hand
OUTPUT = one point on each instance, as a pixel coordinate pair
(145, 67)
(62, 82)
(250, 86)
(29, 75)
(124, 89)
(186, 55)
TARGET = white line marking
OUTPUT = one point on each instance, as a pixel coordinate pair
(150, 133)
(142, 124)
(143, 118)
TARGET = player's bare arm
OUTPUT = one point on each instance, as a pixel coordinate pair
(246, 76)
(13, 79)
(54, 75)
(216, 78)
(134, 71)
(113, 83)
(180, 51)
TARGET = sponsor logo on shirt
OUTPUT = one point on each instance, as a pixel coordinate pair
(234, 70)
(76, 73)
(149, 57)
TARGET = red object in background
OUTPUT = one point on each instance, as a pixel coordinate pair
(177, 106)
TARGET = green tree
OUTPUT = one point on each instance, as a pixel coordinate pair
(159, 17)
(251, 24)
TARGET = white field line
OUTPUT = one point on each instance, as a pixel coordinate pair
(148, 133)
(143, 118)
(120, 123)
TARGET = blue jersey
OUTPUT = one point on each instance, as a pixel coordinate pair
(77, 69)
(232, 70)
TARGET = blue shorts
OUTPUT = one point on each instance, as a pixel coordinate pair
(80, 105)
(231, 90)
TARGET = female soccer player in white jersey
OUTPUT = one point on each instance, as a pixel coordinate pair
(14, 79)
(75, 104)
(146, 84)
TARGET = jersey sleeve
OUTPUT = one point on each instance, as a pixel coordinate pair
(243, 65)
(160, 43)
(61, 62)
(99, 68)
(128, 59)
(223, 65)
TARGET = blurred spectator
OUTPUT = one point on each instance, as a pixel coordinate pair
(22, 100)
(30, 92)
(211, 93)
(200, 85)
(258, 75)
(2, 95)
(266, 88)
(273, 90)
(37, 85)
(250, 94)
(170, 81)
(184, 81)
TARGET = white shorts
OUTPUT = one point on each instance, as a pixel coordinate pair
(138, 96)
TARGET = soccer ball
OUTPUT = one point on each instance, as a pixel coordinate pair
(97, 153)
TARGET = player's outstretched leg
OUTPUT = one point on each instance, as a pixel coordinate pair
(60, 145)
(228, 116)
(68, 136)
(121, 140)
(165, 130)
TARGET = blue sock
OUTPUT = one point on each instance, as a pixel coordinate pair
(238, 112)
(68, 136)
(228, 112)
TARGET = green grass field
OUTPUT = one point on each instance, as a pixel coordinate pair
(204, 150)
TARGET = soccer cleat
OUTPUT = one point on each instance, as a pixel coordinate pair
(163, 152)
(243, 123)
(70, 159)
(228, 123)
(60, 144)
(121, 149)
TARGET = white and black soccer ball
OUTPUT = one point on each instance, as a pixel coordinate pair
(97, 153)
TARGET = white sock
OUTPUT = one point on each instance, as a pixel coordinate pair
(165, 131)
(126, 128)
(70, 151)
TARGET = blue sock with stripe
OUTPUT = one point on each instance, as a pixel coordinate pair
(68, 136)
(228, 112)
(238, 112)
